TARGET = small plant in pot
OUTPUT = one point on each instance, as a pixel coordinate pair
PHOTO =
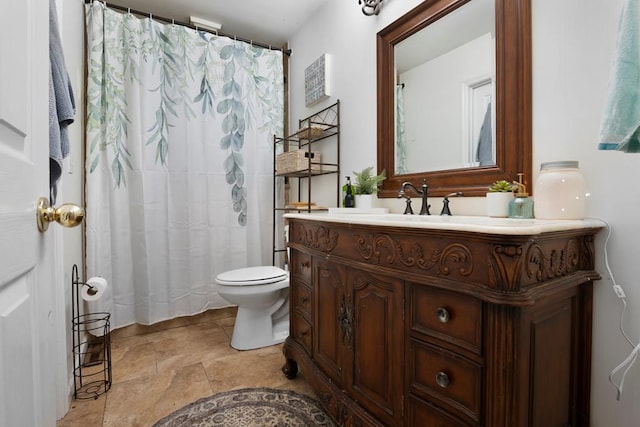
(501, 186)
(498, 198)
(366, 185)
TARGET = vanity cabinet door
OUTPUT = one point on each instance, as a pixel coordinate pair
(359, 335)
(329, 296)
(376, 344)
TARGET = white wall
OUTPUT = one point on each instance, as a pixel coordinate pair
(70, 189)
(341, 30)
(573, 43)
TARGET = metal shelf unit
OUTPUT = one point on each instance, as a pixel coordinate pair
(323, 125)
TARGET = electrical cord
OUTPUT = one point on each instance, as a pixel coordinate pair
(630, 360)
(616, 288)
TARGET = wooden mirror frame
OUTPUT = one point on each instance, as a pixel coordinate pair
(513, 101)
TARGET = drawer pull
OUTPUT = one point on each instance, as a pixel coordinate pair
(304, 264)
(442, 379)
(443, 314)
(304, 299)
(303, 334)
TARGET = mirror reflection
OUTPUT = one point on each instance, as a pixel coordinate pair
(507, 87)
(445, 92)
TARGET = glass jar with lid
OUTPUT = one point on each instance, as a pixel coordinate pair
(560, 191)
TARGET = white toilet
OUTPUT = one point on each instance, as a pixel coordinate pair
(262, 297)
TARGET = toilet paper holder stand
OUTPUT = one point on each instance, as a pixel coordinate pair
(91, 346)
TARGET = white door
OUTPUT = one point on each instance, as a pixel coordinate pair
(27, 333)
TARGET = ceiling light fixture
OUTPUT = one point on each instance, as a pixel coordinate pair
(370, 7)
(203, 23)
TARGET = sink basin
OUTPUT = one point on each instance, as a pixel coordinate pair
(478, 224)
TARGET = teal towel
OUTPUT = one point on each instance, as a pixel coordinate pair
(620, 127)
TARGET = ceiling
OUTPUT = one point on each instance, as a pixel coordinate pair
(271, 22)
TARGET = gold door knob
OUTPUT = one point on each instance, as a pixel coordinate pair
(67, 215)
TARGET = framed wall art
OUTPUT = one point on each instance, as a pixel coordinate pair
(316, 81)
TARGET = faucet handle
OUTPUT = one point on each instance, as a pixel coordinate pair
(408, 210)
(445, 203)
(445, 207)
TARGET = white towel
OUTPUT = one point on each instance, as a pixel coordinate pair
(620, 127)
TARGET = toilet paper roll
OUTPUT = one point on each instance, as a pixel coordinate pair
(94, 289)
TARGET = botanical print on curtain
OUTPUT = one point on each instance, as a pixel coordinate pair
(401, 142)
(179, 166)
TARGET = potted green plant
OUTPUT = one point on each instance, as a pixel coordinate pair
(498, 198)
(366, 185)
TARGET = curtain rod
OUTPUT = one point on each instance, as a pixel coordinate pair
(185, 24)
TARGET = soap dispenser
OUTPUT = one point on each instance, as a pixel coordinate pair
(522, 205)
(349, 201)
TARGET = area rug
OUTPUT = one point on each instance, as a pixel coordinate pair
(250, 407)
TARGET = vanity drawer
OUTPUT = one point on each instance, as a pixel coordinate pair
(424, 414)
(300, 265)
(448, 316)
(301, 299)
(301, 331)
(448, 377)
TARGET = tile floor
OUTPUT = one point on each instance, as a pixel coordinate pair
(160, 368)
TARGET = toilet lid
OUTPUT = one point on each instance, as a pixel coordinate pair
(252, 276)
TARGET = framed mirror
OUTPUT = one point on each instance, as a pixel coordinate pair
(454, 96)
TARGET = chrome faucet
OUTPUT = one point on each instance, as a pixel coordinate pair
(424, 210)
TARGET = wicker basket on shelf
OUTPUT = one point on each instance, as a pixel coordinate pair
(310, 132)
(297, 161)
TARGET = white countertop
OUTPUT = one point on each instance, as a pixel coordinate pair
(477, 224)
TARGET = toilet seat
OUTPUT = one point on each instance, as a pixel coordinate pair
(252, 276)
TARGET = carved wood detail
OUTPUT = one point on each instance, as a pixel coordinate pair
(384, 249)
(345, 319)
(507, 265)
(542, 261)
(373, 248)
(545, 265)
(504, 267)
(588, 253)
(362, 280)
(320, 238)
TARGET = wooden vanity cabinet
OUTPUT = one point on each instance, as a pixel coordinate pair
(400, 326)
(356, 343)
(358, 335)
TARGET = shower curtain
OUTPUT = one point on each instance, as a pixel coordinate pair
(401, 142)
(179, 162)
